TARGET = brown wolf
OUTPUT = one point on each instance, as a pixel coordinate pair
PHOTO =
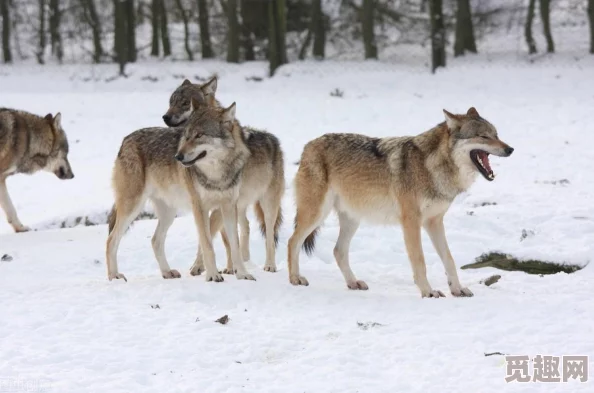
(406, 180)
(30, 143)
(263, 180)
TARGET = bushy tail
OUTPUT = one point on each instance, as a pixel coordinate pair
(111, 218)
(260, 216)
(309, 244)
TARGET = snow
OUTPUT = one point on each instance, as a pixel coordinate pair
(65, 328)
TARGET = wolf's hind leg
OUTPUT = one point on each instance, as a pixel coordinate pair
(166, 215)
(348, 227)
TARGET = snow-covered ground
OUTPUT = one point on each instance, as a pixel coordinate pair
(65, 328)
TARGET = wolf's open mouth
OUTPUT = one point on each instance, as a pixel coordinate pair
(480, 159)
(198, 157)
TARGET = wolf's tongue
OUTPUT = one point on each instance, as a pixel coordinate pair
(484, 157)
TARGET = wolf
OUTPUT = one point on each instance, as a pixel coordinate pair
(28, 144)
(409, 180)
(263, 180)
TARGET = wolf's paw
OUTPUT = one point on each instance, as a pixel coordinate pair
(171, 274)
(227, 271)
(216, 277)
(270, 268)
(21, 228)
(359, 284)
(298, 280)
(432, 293)
(245, 276)
(117, 276)
(461, 292)
(197, 270)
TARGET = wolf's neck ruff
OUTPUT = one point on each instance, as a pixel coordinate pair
(231, 171)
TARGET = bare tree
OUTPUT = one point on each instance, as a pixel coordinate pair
(277, 49)
(545, 16)
(92, 19)
(591, 19)
(160, 28)
(203, 21)
(367, 18)
(164, 29)
(528, 28)
(55, 16)
(464, 29)
(318, 29)
(131, 30)
(6, 22)
(120, 39)
(186, 21)
(42, 38)
(438, 36)
(155, 26)
(232, 32)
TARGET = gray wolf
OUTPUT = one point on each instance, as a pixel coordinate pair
(410, 181)
(263, 180)
(197, 167)
(28, 144)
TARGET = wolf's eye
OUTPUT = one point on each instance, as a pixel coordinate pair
(197, 136)
(485, 137)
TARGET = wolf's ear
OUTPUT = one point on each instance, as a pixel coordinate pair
(229, 113)
(472, 112)
(49, 117)
(186, 82)
(210, 87)
(196, 103)
(452, 120)
(58, 120)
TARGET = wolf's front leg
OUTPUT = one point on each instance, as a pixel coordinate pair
(9, 210)
(230, 223)
(205, 241)
(411, 226)
(436, 231)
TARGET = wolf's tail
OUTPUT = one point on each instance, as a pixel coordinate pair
(111, 218)
(309, 245)
(277, 224)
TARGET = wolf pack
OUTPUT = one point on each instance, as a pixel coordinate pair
(207, 162)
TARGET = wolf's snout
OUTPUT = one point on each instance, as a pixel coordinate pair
(179, 157)
(509, 151)
(64, 174)
(167, 119)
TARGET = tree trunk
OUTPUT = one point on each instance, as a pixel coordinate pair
(277, 19)
(186, 21)
(545, 16)
(55, 16)
(246, 33)
(91, 17)
(591, 18)
(6, 23)
(528, 28)
(155, 28)
(203, 22)
(42, 38)
(464, 29)
(232, 32)
(131, 30)
(120, 40)
(164, 29)
(318, 28)
(438, 53)
(367, 19)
